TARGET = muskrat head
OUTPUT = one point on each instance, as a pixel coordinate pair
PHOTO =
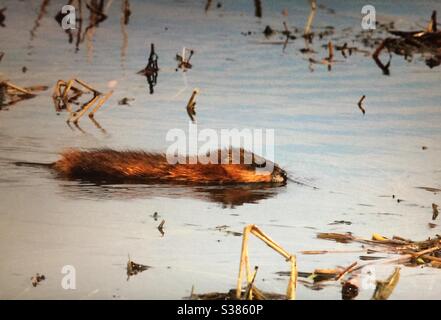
(267, 167)
(259, 169)
(279, 175)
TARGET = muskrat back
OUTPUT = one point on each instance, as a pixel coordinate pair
(146, 167)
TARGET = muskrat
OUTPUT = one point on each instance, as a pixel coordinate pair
(146, 167)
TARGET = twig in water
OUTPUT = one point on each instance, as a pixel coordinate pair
(435, 211)
(307, 32)
(208, 5)
(360, 106)
(249, 291)
(35, 280)
(184, 62)
(192, 104)
(258, 8)
(161, 227)
(127, 12)
(348, 269)
(151, 69)
(2, 17)
(432, 26)
(134, 268)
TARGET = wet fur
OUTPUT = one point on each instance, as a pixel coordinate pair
(145, 167)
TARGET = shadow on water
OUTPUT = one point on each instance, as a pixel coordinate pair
(226, 196)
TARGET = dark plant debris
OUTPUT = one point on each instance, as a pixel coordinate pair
(435, 211)
(183, 60)
(349, 290)
(11, 94)
(151, 69)
(35, 280)
(231, 295)
(2, 17)
(134, 268)
(341, 222)
(360, 104)
(384, 289)
(161, 228)
(224, 228)
(408, 43)
(191, 105)
(125, 101)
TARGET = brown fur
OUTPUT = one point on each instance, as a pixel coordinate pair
(139, 166)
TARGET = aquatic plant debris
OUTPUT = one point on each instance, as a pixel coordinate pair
(256, 293)
(151, 70)
(134, 268)
(191, 105)
(244, 267)
(428, 250)
(183, 60)
(2, 17)
(360, 104)
(349, 290)
(384, 289)
(11, 94)
(65, 93)
(425, 42)
(435, 211)
(224, 228)
(35, 280)
(161, 228)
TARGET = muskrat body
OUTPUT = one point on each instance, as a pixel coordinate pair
(145, 167)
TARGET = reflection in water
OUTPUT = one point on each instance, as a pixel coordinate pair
(41, 14)
(77, 126)
(207, 5)
(258, 8)
(124, 21)
(151, 69)
(97, 14)
(227, 196)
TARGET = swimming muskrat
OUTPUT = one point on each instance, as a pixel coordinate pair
(145, 167)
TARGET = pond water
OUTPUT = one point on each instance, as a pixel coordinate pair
(355, 162)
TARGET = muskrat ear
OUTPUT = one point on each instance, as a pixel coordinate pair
(260, 165)
(259, 162)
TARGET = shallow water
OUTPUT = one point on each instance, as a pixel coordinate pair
(355, 162)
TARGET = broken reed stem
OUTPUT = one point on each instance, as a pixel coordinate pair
(310, 18)
(249, 291)
(244, 261)
(330, 51)
(207, 5)
(360, 106)
(100, 103)
(432, 26)
(405, 258)
(311, 252)
(341, 274)
(17, 88)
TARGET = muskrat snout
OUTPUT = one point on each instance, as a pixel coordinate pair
(279, 175)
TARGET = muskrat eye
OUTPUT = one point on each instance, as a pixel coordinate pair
(260, 165)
